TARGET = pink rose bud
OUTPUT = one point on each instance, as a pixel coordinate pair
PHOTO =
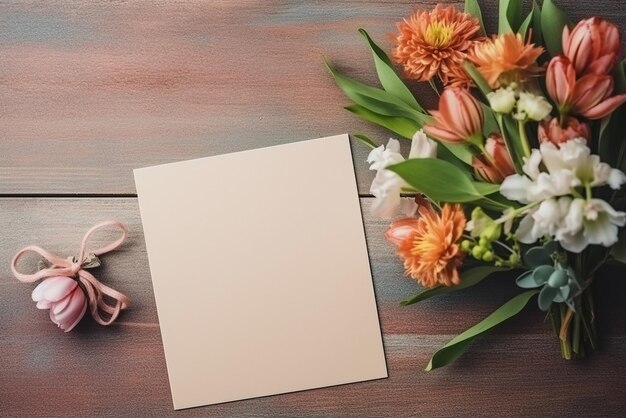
(552, 131)
(65, 299)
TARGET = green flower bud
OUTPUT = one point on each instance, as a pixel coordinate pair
(477, 252)
(488, 256)
(466, 245)
(514, 259)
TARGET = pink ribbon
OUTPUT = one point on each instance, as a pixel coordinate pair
(73, 267)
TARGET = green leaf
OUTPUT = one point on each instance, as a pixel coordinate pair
(478, 78)
(440, 180)
(486, 189)
(503, 22)
(536, 24)
(491, 123)
(402, 126)
(523, 29)
(387, 75)
(364, 139)
(460, 151)
(375, 99)
(453, 349)
(553, 20)
(444, 153)
(473, 8)
(469, 278)
(514, 14)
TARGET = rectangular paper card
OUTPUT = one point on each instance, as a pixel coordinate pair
(260, 272)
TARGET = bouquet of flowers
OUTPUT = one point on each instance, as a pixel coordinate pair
(519, 169)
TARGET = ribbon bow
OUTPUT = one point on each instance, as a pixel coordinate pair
(74, 267)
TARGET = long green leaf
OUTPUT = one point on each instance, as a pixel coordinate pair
(387, 75)
(366, 140)
(460, 151)
(375, 99)
(618, 252)
(473, 8)
(514, 14)
(402, 126)
(469, 278)
(478, 78)
(619, 75)
(453, 349)
(503, 22)
(491, 123)
(536, 24)
(527, 23)
(440, 180)
(553, 20)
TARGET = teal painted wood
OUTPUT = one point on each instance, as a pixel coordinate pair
(120, 370)
(90, 90)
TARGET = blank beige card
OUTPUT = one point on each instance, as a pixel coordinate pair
(260, 272)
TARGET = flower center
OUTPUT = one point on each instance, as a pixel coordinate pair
(438, 34)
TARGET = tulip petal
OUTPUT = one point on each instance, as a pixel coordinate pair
(59, 288)
(75, 320)
(62, 304)
(44, 304)
(605, 108)
(77, 299)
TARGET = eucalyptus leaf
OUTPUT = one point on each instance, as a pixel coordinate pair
(473, 8)
(364, 139)
(469, 278)
(542, 273)
(526, 280)
(546, 297)
(440, 180)
(538, 256)
(402, 126)
(453, 349)
(387, 75)
(553, 20)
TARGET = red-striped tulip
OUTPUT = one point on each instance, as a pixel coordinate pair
(589, 95)
(552, 131)
(593, 46)
(497, 164)
(458, 119)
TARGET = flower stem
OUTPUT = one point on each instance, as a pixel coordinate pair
(524, 137)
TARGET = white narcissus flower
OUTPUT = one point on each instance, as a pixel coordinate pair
(387, 185)
(422, 146)
(530, 106)
(502, 100)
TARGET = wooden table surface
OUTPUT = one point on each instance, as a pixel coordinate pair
(90, 90)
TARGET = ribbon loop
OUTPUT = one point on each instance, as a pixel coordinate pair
(74, 267)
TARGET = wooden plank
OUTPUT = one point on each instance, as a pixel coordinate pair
(120, 370)
(90, 90)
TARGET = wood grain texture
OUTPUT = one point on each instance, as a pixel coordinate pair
(92, 89)
(120, 370)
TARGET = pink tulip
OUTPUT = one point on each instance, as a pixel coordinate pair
(589, 96)
(458, 119)
(400, 230)
(552, 131)
(497, 164)
(593, 46)
(65, 299)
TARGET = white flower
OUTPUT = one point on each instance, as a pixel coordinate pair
(515, 187)
(502, 100)
(530, 106)
(387, 185)
(422, 146)
(590, 222)
(544, 220)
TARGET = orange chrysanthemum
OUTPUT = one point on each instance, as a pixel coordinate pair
(429, 245)
(505, 59)
(435, 43)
